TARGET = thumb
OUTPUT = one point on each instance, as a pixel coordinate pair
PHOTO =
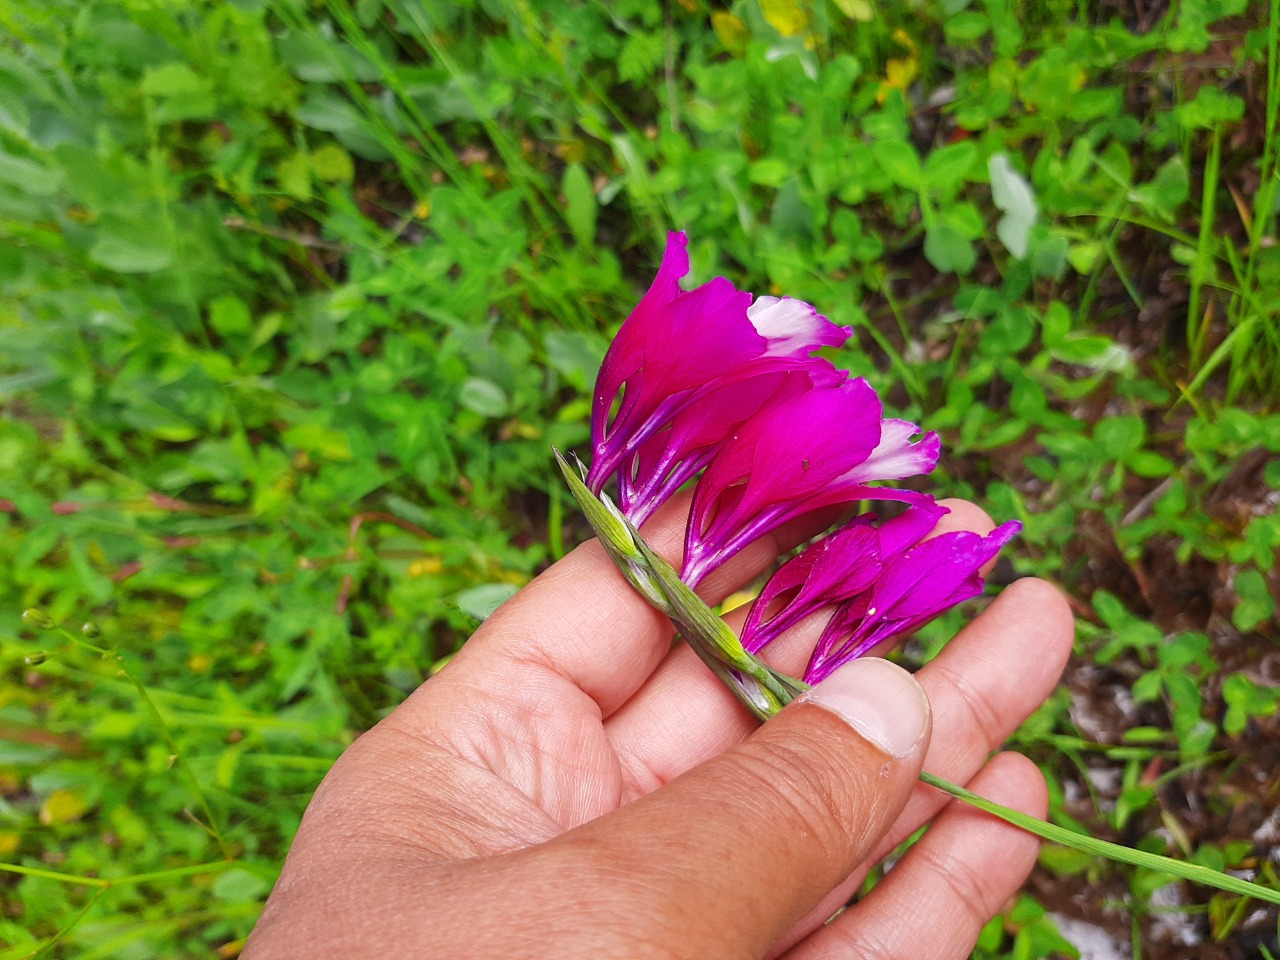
(733, 853)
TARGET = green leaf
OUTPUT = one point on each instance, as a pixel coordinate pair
(1211, 108)
(320, 59)
(1110, 609)
(481, 601)
(128, 246)
(730, 30)
(1012, 329)
(1147, 687)
(791, 217)
(1119, 436)
(484, 397)
(900, 162)
(1254, 605)
(788, 17)
(1093, 350)
(1165, 193)
(1245, 699)
(29, 176)
(770, 172)
(183, 94)
(946, 167)
(64, 806)
(1148, 463)
(238, 885)
(948, 250)
(323, 441)
(1083, 256)
(966, 219)
(1065, 861)
(1055, 324)
(575, 356)
(641, 55)
(294, 175)
(230, 316)
(965, 28)
(332, 164)
(859, 10)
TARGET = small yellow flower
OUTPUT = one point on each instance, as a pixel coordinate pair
(425, 567)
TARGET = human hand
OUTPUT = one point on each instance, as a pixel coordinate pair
(571, 784)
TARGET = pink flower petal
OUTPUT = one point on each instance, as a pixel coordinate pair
(793, 328)
(676, 453)
(828, 571)
(898, 455)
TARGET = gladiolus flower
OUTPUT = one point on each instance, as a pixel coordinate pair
(715, 385)
(820, 449)
(688, 367)
(832, 570)
(881, 581)
(911, 588)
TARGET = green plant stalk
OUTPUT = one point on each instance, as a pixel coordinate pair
(1103, 848)
(101, 886)
(765, 691)
(210, 823)
(75, 922)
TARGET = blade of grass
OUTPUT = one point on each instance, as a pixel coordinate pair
(1201, 266)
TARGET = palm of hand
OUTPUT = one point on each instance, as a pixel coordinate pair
(571, 702)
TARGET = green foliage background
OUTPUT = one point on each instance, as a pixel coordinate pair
(298, 294)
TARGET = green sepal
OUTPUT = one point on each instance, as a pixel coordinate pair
(615, 534)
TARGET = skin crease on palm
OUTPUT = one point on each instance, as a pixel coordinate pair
(573, 784)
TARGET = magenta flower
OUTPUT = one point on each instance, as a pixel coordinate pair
(677, 452)
(913, 586)
(686, 368)
(833, 570)
(819, 449)
(716, 386)
(881, 581)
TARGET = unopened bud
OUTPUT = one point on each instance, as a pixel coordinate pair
(37, 658)
(91, 630)
(38, 619)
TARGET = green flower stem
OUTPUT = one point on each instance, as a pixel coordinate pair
(1102, 848)
(768, 690)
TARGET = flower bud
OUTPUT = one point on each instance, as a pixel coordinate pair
(37, 618)
(37, 658)
(91, 630)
